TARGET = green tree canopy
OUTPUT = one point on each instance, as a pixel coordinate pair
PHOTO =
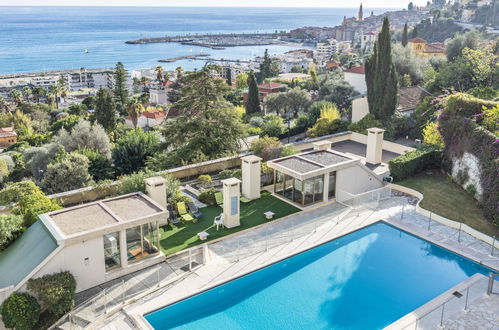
(105, 110)
(132, 150)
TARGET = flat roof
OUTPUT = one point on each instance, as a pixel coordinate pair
(325, 158)
(101, 215)
(312, 163)
(298, 165)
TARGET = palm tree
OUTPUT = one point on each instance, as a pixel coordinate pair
(159, 73)
(57, 91)
(134, 109)
(179, 71)
(3, 104)
(144, 81)
(16, 96)
(27, 93)
(38, 92)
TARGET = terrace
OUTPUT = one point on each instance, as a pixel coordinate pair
(174, 238)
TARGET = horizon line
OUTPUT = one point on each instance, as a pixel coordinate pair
(186, 6)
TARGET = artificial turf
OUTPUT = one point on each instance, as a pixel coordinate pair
(174, 238)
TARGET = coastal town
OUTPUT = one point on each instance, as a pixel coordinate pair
(348, 180)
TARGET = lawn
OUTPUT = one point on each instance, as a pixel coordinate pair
(182, 236)
(444, 197)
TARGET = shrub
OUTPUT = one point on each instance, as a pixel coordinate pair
(208, 196)
(267, 148)
(256, 121)
(273, 125)
(328, 123)
(465, 105)
(178, 197)
(135, 182)
(30, 200)
(10, 228)
(235, 173)
(67, 173)
(432, 136)
(362, 125)
(205, 180)
(56, 292)
(20, 311)
(410, 163)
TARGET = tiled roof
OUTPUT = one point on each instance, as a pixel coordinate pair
(417, 40)
(7, 132)
(410, 97)
(270, 85)
(154, 114)
(357, 69)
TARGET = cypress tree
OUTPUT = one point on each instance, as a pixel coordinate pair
(253, 104)
(415, 32)
(265, 67)
(404, 36)
(229, 77)
(105, 110)
(120, 88)
(381, 77)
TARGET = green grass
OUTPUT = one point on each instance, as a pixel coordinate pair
(446, 198)
(182, 236)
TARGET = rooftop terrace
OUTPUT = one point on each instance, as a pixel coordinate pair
(102, 215)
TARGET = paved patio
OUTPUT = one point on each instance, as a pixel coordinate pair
(247, 252)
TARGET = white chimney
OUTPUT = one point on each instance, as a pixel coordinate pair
(251, 175)
(374, 145)
(156, 190)
(322, 145)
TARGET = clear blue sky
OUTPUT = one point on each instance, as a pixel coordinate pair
(216, 3)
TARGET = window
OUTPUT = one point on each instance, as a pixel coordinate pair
(112, 257)
(332, 185)
(142, 241)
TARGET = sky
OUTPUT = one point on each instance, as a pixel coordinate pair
(217, 3)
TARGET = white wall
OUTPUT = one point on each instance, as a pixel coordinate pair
(355, 180)
(72, 258)
(358, 81)
(360, 108)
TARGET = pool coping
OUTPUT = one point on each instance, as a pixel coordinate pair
(137, 313)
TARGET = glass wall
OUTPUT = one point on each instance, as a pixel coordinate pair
(304, 193)
(332, 185)
(112, 257)
(142, 241)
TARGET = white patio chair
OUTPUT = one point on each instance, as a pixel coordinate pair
(219, 220)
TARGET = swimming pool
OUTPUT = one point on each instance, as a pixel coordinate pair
(364, 280)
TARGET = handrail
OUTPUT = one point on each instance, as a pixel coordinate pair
(490, 286)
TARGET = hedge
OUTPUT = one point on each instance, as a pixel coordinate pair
(464, 135)
(413, 162)
(56, 292)
(465, 105)
(20, 311)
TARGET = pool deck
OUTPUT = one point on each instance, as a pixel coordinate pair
(259, 249)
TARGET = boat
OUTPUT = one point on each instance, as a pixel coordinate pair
(85, 51)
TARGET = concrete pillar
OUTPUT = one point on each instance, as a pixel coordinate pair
(251, 169)
(322, 145)
(156, 189)
(123, 252)
(231, 189)
(326, 187)
(374, 145)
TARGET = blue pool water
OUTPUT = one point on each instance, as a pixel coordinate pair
(364, 280)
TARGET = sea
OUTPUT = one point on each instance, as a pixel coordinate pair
(39, 39)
